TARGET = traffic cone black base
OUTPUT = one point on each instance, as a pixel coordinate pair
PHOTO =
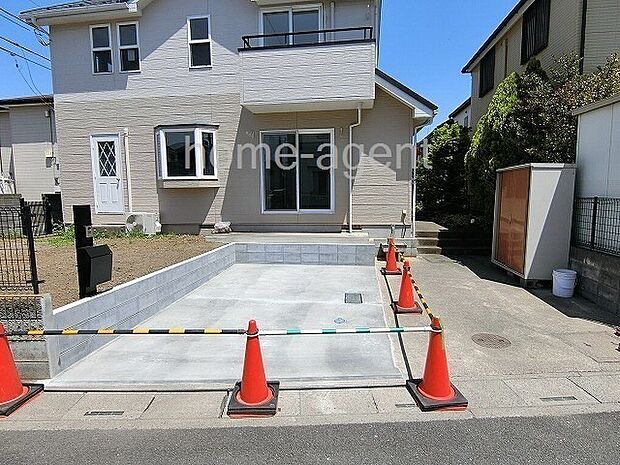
(238, 409)
(391, 273)
(417, 310)
(457, 403)
(30, 391)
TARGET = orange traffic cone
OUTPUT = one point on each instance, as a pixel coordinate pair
(434, 391)
(13, 394)
(253, 396)
(406, 300)
(391, 267)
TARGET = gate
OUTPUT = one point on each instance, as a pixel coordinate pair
(18, 264)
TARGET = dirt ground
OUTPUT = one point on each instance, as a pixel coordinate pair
(132, 258)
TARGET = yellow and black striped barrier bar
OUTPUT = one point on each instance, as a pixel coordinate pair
(217, 331)
(422, 299)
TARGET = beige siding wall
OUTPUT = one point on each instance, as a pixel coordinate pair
(31, 137)
(5, 143)
(314, 75)
(564, 33)
(602, 32)
(381, 186)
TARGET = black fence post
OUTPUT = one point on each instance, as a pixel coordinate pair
(26, 215)
(593, 227)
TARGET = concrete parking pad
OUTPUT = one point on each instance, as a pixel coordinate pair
(279, 297)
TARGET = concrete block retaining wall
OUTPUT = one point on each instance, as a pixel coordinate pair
(598, 277)
(127, 305)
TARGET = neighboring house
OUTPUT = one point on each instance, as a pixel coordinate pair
(137, 83)
(28, 162)
(462, 114)
(543, 29)
(596, 228)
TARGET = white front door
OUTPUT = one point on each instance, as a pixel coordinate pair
(107, 174)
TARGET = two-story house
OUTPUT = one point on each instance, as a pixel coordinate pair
(28, 162)
(543, 29)
(270, 114)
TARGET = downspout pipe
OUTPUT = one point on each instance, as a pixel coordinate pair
(354, 125)
(128, 169)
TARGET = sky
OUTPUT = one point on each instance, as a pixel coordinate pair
(424, 44)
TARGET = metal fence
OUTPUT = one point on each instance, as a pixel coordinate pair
(18, 264)
(596, 224)
(21, 312)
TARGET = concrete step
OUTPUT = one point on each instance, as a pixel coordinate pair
(427, 241)
(424, 233)
(431, 250)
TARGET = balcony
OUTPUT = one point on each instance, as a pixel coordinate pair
(331, 69)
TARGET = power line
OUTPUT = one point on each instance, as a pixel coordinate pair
(3, 16)
(15, 54)
(24, 48)
(22, 21)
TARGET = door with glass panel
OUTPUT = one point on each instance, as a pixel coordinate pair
(288, 21)
(297, 171)
(107, 174)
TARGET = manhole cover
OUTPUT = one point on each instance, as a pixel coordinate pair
(491, 341)
(353, 298)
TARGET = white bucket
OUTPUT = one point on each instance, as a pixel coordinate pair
(564, 282)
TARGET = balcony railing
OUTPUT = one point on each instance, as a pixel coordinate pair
(298, 39)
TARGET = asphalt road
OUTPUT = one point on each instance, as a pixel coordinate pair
(571, 440)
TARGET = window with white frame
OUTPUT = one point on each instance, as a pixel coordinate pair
(101, 46)
(297, 171)
(282, 21)
(129, 47)
(199, 40)
(187, 153)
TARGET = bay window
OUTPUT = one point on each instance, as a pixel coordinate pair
(297, 171)
(187, 153)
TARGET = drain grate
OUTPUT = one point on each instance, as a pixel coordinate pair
(491, 341)
(353, 298)
(104, 413)
(559, 399)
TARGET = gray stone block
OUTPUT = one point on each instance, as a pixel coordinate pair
(346, 259)
(310, 258)
(310, 248)
(274, 248)
(328, 249)
(256, 247)
(328, 259)
(292, 258)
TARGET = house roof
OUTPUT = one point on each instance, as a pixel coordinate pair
(72, 5)
(460, 108)
(406, 90)
(30, 100)
(496, 33)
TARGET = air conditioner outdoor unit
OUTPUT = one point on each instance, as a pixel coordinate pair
(146, 223)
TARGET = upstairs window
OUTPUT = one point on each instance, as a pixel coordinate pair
(535, 32)
(487, 73)
(199, 40)
(187, 153)
(101, 46)
(291, 20)
(128, 47)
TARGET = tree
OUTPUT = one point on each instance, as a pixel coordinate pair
(441, 182)
(530, 120)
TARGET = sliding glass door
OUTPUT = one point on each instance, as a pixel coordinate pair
(291, 20)
(297, 171)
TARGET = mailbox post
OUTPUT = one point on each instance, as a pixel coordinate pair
(94, 263)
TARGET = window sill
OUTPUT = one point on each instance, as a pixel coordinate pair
(188, 184)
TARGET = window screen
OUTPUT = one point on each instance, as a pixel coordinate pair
(535, 32)
(487, 73)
